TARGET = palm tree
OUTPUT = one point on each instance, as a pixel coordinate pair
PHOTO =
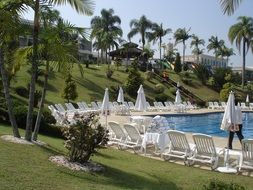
(81, 6)
(242, 33)
(106, 30)
(140, 26)
(54, 47)
(157, 33)
(171, 52)
(228, 52)
(196, 42)
(182, 35)
(229, 6)
(224, 51)
(215, 44)
(9, 31)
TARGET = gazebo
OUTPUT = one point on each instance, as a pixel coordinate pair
(127, 50)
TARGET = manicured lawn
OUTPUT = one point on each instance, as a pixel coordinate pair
(91, 86)
(27, 167)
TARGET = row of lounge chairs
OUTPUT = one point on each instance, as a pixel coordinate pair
(222, 105)
(203, 150)
(67, 113)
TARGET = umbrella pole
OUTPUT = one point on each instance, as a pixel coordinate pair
(106, 122)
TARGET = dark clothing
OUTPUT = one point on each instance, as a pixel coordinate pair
(231, 136)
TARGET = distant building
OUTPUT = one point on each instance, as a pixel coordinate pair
(84, 46)
(210, 61)
(248, 72)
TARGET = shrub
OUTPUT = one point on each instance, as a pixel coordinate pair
(224, 93)
(159, 88)
(133, 82)
(47, 117)
(84, 137)
(4, 117)
(173, 91)
(51, 130)
(69, 91)
(109, 73)
(149, 75)
(186, 81)
(22, 91)
(202, 73)
(178, 65)
(186, 74)
(161, 98)
(220, 185)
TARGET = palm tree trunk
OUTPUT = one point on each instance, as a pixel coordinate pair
(183, 53)
(8, 97)
(160, 46)
(106, 57)
(42, 101)
(98, 59)
(243, 62)
(29, 119)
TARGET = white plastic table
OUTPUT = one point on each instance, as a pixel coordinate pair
(160, 140)
(226, 168)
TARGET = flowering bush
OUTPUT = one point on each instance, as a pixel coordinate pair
(84, 137)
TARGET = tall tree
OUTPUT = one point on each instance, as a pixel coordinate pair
(215, 44)
(242, 33)
(196, 42)
(106, 30)
(56, 47)
(181, 36)
(81, 6)
(229, 6)
(158, 32)
(9, 31)
(140, 26)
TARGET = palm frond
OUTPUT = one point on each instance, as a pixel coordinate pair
(229, 6)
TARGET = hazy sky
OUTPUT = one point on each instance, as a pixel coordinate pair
(204, 17)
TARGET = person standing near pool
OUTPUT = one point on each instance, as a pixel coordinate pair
(237, 129)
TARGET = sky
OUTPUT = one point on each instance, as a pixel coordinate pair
(203, 17)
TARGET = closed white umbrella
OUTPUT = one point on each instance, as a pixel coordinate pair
(178, 99)
(120, 96)
(228, 123)
(105, 108)
(247, 99)
(229, 117)
(140, 103)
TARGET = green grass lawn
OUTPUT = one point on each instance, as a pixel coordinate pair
(91, 86)
(27, 167)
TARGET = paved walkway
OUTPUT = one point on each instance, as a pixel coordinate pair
(219, 141)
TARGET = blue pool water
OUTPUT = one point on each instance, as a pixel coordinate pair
(209, 124)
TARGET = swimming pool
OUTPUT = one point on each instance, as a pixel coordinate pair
(209, 124)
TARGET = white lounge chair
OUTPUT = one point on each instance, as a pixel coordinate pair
(216, 105)
(131, 105)
(134, 139)
(243, 106)
(205, 150)
(223, 105)
(210, 105)
(150, 108)
(178, 147)
(119, 136)
(251, 106)
(94, 106)
(246, 159)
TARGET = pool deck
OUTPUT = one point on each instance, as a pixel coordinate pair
(218, 141)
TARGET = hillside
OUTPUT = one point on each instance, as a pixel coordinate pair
(91, 86)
